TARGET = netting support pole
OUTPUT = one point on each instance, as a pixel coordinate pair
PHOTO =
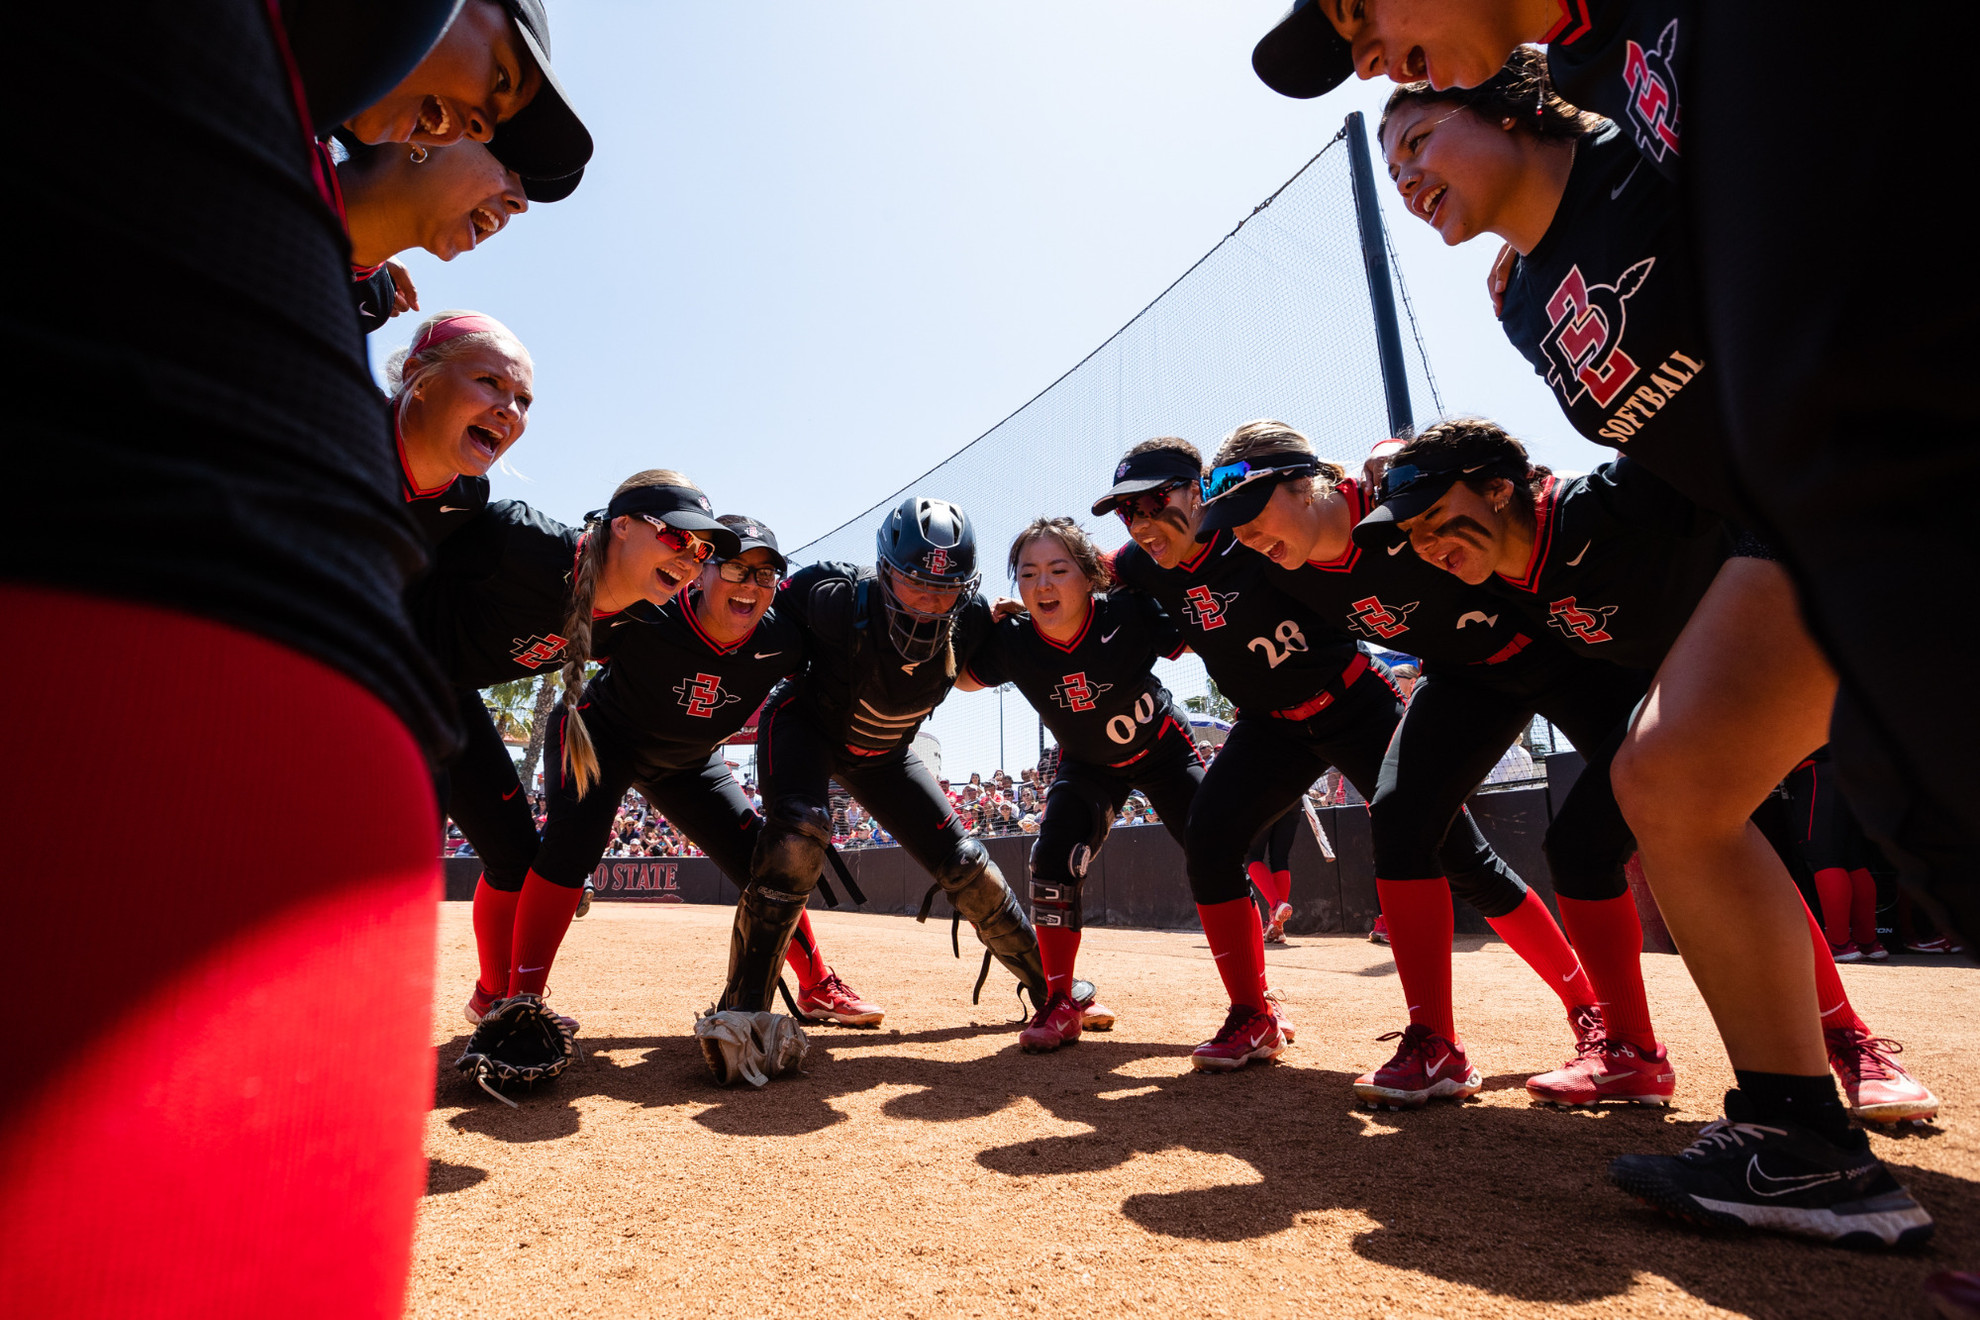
(1381, 293)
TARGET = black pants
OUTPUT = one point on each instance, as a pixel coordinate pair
(798, 763)
(702, 801)
(1267, 763)
(1080, 808)
(1828, 378)
(486, 799)
(1459, 723)
(1821, 825)
(1274, 846)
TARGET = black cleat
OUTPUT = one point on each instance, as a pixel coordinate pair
(1741, 1174)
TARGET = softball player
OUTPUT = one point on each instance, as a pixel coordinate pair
(884, 646)
(1084, 658)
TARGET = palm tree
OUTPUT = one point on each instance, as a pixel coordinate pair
(511, 704)
(1214, 703)
(547, 691)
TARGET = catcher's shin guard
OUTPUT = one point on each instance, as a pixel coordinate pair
(977, 891)
(784, 869)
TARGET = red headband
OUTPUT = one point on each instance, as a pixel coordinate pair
(468, 323)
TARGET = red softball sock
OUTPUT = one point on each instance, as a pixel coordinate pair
(1419, 913)
(1274, 886)
(1238, 944)
(542, 916)
(1530, 930)
(1608, 935)
(1862, 906)
(1833, 887)
(1058, 948)
(806, 962)
(1831, 1000)
(266, 1179)
(494, 929)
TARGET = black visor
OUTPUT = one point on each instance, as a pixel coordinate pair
(677, 506)
(1245, 489)
(1138, 474)
(1302, 56)
(1409, 489)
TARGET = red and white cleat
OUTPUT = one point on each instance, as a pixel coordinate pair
(1380, 933)
(1058, 1023)
(1278, 1007)
(1426, 1067)
(1937, 944)
(1876, 1087)
(1246, 1035)
(1874, 950)
(832, 1000)
(478, 1005)
(1608, 1072)
(1275, 925)
(1096, 1016)
(1846, 952)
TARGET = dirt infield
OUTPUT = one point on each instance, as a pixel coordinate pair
(929, 1169)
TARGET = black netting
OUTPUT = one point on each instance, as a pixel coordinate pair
(1275, 321)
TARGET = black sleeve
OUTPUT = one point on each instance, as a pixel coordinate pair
(1637, 497)
(1162, 630)
(374, 295)
(986, 662)
(973, 628)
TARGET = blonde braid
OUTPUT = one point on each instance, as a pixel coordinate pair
(580, 757)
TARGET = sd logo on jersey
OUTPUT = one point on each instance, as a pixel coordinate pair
(1374, 619)
(1653, 95)
(1206, 607)
(703, 695)
(1076, 693)
(1581, 623)
(534, 652)
(1584, 344)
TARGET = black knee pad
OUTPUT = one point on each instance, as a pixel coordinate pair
(1580, 874)
(790, 848)
(1494, 889)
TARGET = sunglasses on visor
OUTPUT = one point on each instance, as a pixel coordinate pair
(684, 542)
(1231, 476)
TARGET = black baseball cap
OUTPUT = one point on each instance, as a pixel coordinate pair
(551, 190)
(754, 535)
(677, 506)
(545, 140)
(1149, 470)
(1236, 493)
(1303, 56)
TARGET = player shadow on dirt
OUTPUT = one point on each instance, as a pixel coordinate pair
(442, 1177)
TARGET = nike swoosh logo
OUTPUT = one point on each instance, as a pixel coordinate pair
(1765, 1184)
(1625, 183)
(1570, 976)
(1577, 559)
(448, 508)
(1222, 956)
(525, 971)
(765, 655)
(1603, 1079)
(1109, 637)
(512, 792)
(1398, 548)
(1439, 1063)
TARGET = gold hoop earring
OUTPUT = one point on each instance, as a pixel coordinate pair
(419, 154)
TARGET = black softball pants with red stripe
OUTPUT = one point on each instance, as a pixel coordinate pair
(1267, 763)
(702, 801)
(483, 795)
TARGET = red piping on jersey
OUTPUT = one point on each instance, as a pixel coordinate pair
(1543, 538)
(1191, 565)
(1344, 562)
(323, 173)
(1073, 645)
(687, 611)
(1519, 643)
(1572, 11)
(405, 468)
(1116, 765)
(1308, 709)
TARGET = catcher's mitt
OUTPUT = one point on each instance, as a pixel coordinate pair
(751, 1047)
(518, 1041)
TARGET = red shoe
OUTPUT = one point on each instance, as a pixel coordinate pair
(478, 1005)
(1954, 1294)
(832, 1000)
(1426, 1067)
(1247, 1034)
(1275, 928)
(1096, 1016)
(1876, 1087)
(1278, 1007)
(1056, 1024)
(1845, 952)
(1380, 934)
(1607, 1072)
(1938, 944)
(1874, 950)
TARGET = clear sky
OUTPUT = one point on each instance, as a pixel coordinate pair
(821, 246)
